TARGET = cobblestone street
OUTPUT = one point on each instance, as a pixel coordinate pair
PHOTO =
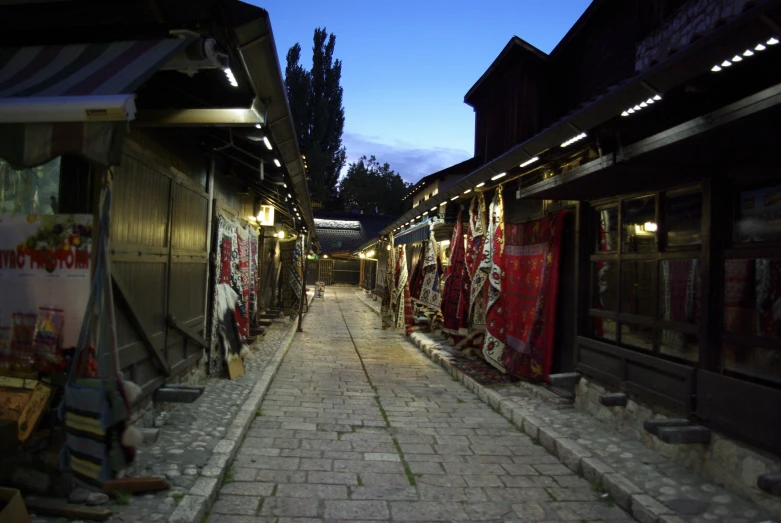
(360, 425)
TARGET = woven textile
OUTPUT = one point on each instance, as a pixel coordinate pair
(402, 302)
(387, 318)
(495, 329)
(430, 294)
(242, 276)
(532, 252)
(475, 260)
(455, 297)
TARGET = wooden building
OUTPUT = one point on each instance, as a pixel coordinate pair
(184, 105)
(653, 123)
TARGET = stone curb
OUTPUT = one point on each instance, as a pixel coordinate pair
(373, 307)
(579, 460)
(196, 503)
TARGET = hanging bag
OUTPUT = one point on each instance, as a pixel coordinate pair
(95, 410)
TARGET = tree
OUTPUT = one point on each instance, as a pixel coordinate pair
(372, 188)
(315, 99)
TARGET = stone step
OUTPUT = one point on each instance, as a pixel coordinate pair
(653, 425)
(178, 393)
(566, 381)
(618, 399)
(770, 483)
(678, 431)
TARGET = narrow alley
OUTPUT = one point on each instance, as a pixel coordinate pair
(359, 425)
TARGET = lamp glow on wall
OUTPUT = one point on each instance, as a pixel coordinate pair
(370, 254)
(266, 215)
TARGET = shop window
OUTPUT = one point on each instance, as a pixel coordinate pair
(646, 295)
(758, 216)
(604, 328)
(30, 191)
(752, 297)
(607, 225)
(637, 336)
(604, 294)
(683, 218)
(638, 287)
(639, 225)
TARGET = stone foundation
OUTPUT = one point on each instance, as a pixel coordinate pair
(725, 462)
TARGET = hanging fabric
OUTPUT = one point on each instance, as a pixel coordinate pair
(532, 251)
(476, 261)
(253, 272)
(416, 278)
(297, 274)
(430, 294)
(387, 317)
(240, 279)
(495, 337)
(455, 297)
(403, 304)
(96, 410)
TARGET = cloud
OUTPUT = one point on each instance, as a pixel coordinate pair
(411, 162)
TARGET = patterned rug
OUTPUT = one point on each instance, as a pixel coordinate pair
(483, 373)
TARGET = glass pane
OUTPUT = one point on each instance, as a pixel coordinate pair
(603, 328)
(679, 291)
(683, 219)
(756, 362)
(679, 345)
(607, 228)
(759, 215)
(638, 336)
(637, 287)
(639, 224)
(752, 297)
(30, 191)
(604, 294)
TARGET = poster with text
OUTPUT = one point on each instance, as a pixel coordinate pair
(45, 262)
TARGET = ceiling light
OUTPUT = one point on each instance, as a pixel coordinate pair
(362, 255)
(649, 101)
(748, 52)
(284, 185)
(281, 234)
(726, 63)
(454, 198)
(772, 41)
(418, 216)
(276, 162)
(480, 184)
(643, 105)
(268, 144)
(257, 126)
(637, 108)
(716, 69)
(657, 97)
(231, 78)
(433, 208)
(760, 47)
(289, 195)
(625, 113)
(444, 203)
(529, 162)
(737, 58)
(425, 213)
(467, 191)
(387, 247)
(631, 111)
(500, 175)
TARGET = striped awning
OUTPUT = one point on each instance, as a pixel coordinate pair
(73, 98)
(83, 69)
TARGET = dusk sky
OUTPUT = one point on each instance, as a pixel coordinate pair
(407, 66)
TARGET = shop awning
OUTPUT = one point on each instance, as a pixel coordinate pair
(418, 233)
(73, 98)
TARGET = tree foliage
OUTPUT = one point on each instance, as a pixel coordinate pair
(315, 99)
(372, 188)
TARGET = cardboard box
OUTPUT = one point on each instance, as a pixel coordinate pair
(12, 508)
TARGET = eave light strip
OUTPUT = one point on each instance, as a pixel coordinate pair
(747, 54)
(642, 105)
(574, 139)
(500, 175)
(529, 162)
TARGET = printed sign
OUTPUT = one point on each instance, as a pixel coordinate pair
(45, 262)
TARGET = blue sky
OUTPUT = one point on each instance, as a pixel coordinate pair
(407, 66)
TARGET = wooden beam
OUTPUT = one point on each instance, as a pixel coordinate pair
(174, 323)
(121, 292)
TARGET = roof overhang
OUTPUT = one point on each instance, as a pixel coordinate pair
(686, 64)
(258, 52)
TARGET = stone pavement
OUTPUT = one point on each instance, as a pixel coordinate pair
(190, 435)
(654, 488)
(358, 425)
